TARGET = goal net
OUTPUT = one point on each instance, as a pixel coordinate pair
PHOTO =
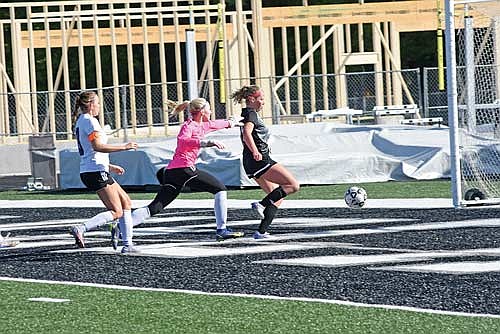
(473, 81)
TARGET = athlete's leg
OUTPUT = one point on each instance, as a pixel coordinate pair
(209, 183)
(164, 197)
(171, 182)
(110, 196)
(271, 209)
(125, 221)
(206, 182)
(282, 181)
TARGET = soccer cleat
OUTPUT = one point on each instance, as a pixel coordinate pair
(5, 242)
(115, 235)
(77, 233)
(258, 236)
(226, 233)
(130, 249)
(259, 209)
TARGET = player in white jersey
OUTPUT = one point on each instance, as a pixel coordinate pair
(95, 171)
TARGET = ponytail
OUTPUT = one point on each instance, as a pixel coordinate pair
(177, 108)
(194, 105)
(244, 92)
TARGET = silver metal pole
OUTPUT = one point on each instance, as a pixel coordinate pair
(469, 74)
(192, 68)
(191, 61)
(451, 78)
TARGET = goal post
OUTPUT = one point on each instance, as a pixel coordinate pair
(473, 88)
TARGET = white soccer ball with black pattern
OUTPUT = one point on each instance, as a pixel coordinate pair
(355, 197)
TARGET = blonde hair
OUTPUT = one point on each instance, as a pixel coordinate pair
(244, 92)
(196, 105)
(82, 103)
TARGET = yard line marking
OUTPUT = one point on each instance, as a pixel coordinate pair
(207, 229)
(363, 260)
(158, 250)
(9, 217)
(73, 221)
(456, 268)
(302, 299)
(49, 300)
(409, 203)
(323, 222)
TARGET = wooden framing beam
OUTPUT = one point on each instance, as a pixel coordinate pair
(137, 35)
(413, 15)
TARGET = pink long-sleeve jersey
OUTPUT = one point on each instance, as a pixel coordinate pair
(188, 141)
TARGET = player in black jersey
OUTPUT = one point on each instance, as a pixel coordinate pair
(271, 176)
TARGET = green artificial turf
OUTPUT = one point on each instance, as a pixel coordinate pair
(104, 310)
(409, 189)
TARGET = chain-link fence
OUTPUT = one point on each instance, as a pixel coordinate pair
(309, 93)
(145, 107)
(435, 100)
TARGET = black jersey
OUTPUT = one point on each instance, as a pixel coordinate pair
(260, 132)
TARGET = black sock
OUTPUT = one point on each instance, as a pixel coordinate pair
(273, 196)
(269, 213)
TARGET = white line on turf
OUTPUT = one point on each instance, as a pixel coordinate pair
(361, 260)
(302, 299)
(49, 300)
(240, 204)
(456, 268)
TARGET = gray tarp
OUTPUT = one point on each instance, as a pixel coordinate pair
(316, 153)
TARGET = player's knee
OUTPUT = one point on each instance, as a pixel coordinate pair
(127, 203)
(293, 188)
(155, 207)
(160, 175)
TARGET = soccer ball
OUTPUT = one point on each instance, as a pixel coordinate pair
(355, 197)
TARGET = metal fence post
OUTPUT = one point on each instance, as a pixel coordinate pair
(124, 113)
(419, 91)
(425, 92)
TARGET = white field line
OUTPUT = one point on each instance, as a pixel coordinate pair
(239, 204)
(70, 222)
(48, 300)
(302, 299)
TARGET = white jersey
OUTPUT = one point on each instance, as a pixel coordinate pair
(90, 161)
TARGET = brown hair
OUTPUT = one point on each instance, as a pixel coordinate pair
(244, 92)
(194, 106)
(82, 103)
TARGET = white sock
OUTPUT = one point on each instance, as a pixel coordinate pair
(220, 208)
(98, 220)
(126, 228)
(138, 215)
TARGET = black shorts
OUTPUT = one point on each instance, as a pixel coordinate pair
(96, 180)
(195, 179)
(256, 169)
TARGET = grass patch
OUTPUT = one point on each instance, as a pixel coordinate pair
(410, 189)
(100, 310)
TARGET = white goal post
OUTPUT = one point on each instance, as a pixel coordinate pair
(473, 88)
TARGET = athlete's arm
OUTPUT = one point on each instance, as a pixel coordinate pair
(218, 124)
(116, 169)
(249, 142)
(98, 146)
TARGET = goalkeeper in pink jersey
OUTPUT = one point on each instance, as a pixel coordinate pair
(181, 171)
